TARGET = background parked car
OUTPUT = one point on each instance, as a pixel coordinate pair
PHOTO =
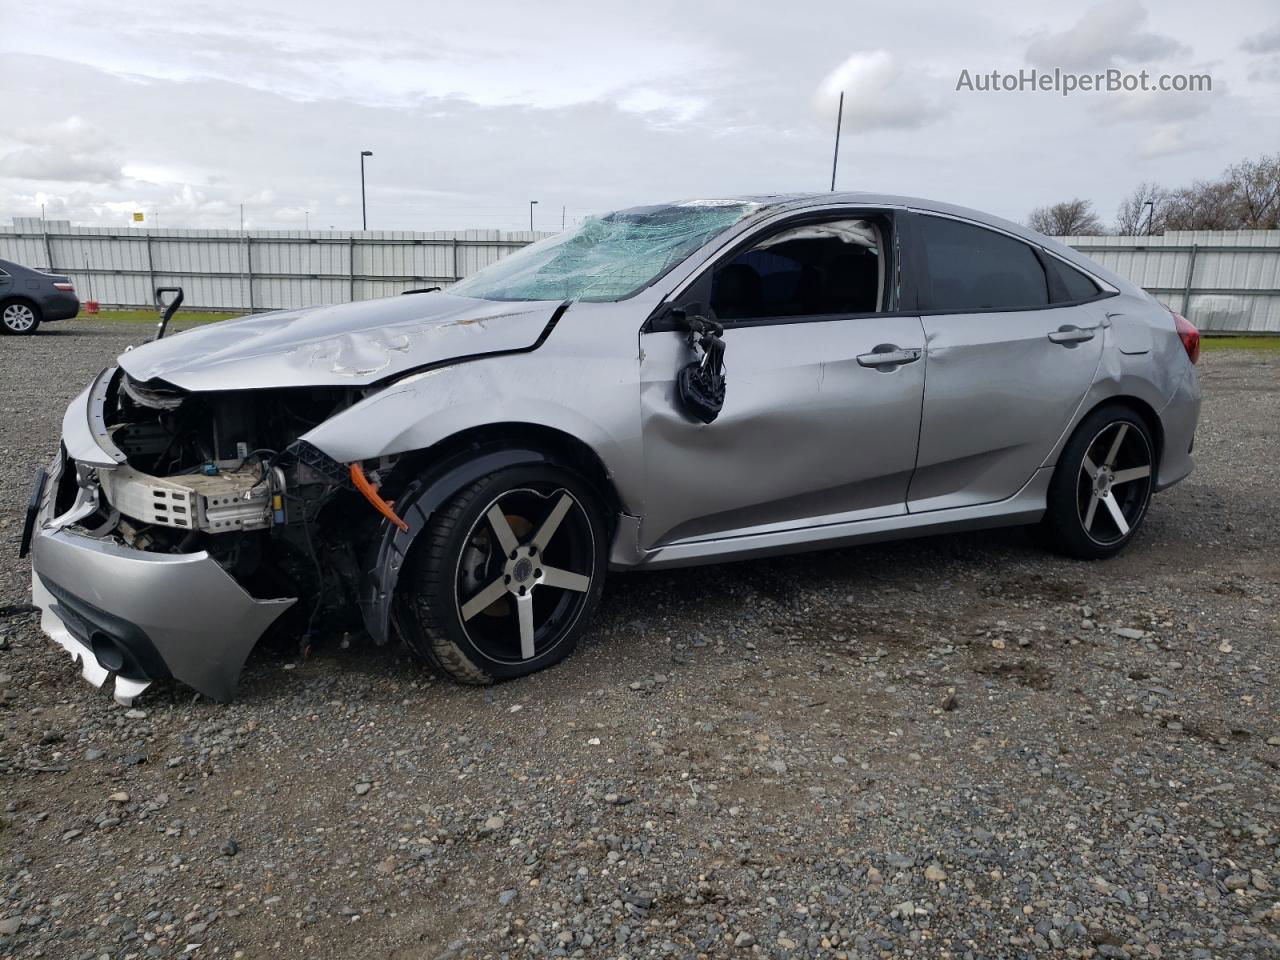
(29, 298)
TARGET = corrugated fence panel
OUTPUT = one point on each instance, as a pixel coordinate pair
(1223, 281)
(1233, 277)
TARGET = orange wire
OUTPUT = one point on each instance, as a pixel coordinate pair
(370, 493)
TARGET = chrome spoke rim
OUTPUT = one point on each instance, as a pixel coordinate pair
(1114, 485)
(519, 586)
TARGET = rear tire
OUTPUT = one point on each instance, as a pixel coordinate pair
(19, 317)
(1102, 486)
(467, 605)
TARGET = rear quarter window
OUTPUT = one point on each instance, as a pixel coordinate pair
(1075, 285)
(973, 268)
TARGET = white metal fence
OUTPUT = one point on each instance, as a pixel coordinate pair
(1226, 281)
(1221, 280)
(255, 270)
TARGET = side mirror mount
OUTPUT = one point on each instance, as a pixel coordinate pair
(700, 384)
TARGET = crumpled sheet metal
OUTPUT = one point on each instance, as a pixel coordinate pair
(350, 344)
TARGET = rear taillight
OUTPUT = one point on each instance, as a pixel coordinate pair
(1189, 336)
(65, 287)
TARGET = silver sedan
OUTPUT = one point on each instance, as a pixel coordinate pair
(667, 385)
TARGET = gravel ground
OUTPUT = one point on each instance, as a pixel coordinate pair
(952, 747)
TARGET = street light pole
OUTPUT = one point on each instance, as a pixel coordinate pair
(531, 204)
(364, 212)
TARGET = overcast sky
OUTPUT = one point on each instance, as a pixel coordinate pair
(472, 110)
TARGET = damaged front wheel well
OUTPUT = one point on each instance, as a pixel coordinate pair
(560, 448)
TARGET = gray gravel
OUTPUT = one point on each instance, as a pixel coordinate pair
(951, 747)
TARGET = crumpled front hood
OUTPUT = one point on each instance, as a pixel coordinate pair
(347, 344)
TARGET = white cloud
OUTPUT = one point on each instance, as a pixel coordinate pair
(1267, 41)
(1169, 139)
(1107, 34)
(1155, 106)
(69, 150)
(50, 163)
(879, 93)
(673, 107)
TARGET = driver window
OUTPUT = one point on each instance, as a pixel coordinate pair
(814, 269)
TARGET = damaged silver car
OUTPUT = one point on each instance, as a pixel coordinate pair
(663, 386)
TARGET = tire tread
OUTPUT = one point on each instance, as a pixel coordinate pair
(441, 653)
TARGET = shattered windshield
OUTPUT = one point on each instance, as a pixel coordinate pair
(610, 257)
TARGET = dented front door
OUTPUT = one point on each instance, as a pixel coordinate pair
(809, 432)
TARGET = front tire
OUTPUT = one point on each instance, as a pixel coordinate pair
(1102, 486)
(506, 576)
(19, 317)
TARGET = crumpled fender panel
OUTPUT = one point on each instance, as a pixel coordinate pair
(415, 506)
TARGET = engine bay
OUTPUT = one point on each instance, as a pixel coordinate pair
(227, 473)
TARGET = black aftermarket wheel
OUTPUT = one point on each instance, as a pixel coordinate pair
(504, 579)
(1102, 486)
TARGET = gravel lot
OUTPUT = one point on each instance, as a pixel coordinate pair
(952, 747)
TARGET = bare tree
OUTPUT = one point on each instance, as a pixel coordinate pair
(1205, 205)
(1245, 197)
(1070, 218)
(1256, 185)
(1135, 217)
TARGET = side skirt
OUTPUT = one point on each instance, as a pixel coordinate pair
(1024, 507)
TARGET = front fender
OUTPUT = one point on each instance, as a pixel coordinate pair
(421, 411)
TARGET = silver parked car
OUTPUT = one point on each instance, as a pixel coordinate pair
(666, 385)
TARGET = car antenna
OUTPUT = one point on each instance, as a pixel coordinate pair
(168, 311)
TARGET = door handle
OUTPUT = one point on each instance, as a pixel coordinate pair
(889, 355)
(1069, 334)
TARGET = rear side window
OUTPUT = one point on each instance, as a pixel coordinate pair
(972, 268)
(1075, 285)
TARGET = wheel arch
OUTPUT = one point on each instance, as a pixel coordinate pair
(424, 479)
(1139, 406)
(556, 445)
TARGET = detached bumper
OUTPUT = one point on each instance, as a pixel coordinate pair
(139, 616)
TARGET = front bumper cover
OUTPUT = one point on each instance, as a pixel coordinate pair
(134, 615)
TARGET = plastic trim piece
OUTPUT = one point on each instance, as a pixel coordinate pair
(419, 501)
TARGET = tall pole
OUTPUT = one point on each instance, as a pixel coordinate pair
(562, 219)
(307, 214)
(1150, 214)
(835, 159)
(364, 213)
(531, 205)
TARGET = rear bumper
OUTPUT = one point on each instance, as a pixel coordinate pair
(1178, 422)
(62, 306)
(139, 616)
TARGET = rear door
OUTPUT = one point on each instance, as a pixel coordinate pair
(813, 429)
(6, 284)
(1007, 365)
